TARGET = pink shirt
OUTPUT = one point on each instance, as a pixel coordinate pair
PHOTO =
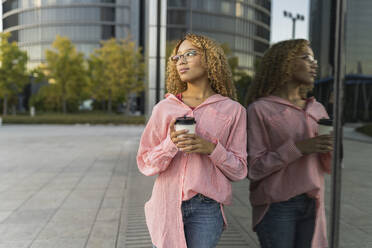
(186, 193)
(219, 120)
(277, 169)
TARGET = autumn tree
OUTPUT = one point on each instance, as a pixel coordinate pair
(13, 70)
(65, 68)
(116, 70)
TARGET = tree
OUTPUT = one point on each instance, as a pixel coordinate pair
(13, 72)
(47, 98)
(65, 68)
(97, 85)
(242, 79)
(116, 70)
(242, 85)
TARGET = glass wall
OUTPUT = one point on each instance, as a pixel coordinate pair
(85, 14)
(33, 3)
(359, 45)
(242, 24)
(76, 33)
(355, 221)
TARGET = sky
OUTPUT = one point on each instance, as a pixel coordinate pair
(281, 27)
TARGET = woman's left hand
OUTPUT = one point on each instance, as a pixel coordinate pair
(194, 143)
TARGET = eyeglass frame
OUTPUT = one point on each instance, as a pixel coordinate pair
(182, 56)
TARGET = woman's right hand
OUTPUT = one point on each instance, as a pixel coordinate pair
(318, 144)
(177, 136)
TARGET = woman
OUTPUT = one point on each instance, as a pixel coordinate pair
(306, 91)
(287, 160)
(194, 170)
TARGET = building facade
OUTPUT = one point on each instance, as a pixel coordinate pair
(358, 46)
(358, 37)
(320, 35)
(34, 24)
(357, 56)
(244, 25)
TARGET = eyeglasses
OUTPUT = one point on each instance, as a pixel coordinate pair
(186, 56)
(309, 58)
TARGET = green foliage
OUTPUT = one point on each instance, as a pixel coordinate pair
(38, 74)
(242, 80)
(47, 98)
(13, 72)
(65, 69)
(115, 70)
(366, 129)
(242, 86)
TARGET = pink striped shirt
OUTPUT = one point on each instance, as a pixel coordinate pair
(277, 169)
(219, 120)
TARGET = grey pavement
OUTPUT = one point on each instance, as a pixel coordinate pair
(78, 186)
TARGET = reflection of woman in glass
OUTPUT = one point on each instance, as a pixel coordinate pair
(194, 170)
(287, 160)
(306, 91)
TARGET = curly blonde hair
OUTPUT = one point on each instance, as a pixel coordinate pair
(215, 62)
(275, 68)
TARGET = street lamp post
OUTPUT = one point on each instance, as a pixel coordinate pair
(294, 19)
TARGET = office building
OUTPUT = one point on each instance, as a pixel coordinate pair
(244, 25)
(34, 24)
(358, 46)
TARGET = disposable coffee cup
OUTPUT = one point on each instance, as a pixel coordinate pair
(187, 123)
(325, 126)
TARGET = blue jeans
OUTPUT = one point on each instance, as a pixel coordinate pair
(202, 222)
(288, 224)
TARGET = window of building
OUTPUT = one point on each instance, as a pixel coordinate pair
(262, 32)
(211, 6)
(262, 17)
(13, 36)
(10, 5)
(10, 21)
(108, 31)
(33, 52)
(122, 32)
(108, 14)
(29, 35)
(227, 7)
(29, 17)
(76, 14)
(264, 3)
(260, 47)
(178, 17)
(239, 9)
(177, 3)
(175, 33)
(86, 49)
(123, 15)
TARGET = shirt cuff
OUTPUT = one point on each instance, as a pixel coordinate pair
(218, 156)
(169, 146)
(289, 152)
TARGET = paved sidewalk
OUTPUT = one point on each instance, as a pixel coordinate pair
(78, 187)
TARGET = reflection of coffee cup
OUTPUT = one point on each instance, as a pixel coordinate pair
(187, 123)
(325, 126)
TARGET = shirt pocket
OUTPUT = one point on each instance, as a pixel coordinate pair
(213, 125)
(282, 124)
